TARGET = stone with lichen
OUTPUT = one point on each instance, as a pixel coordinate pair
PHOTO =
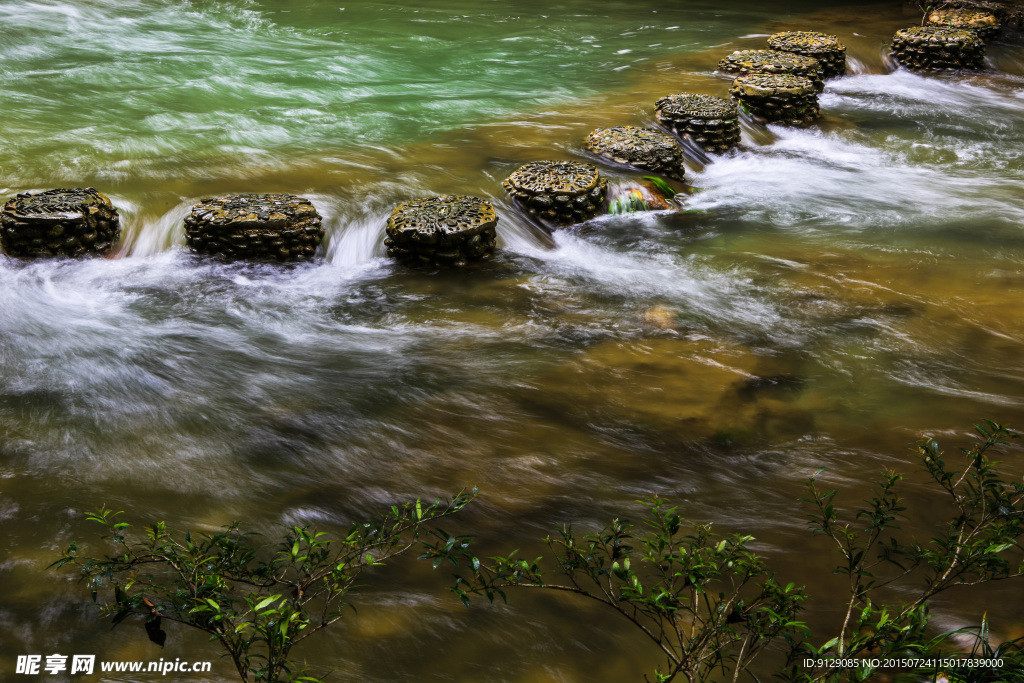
(643, 148)
(777, 98)
(447, 230)
(936, 48)
(985, 24)
(255, 226)
(560, 192)
(64, 222)
(826, 48)
(744, 62)
(712, 123)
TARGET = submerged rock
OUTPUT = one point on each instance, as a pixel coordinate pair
(681, 388)
(661, 317)
(449, 230)
(712, 123)
(935, 48)
(59, 222)
(985, 24)
(561, 192)
(777, 98)
(744, 62)
(650, 150)
(256, 226)
(821, 46)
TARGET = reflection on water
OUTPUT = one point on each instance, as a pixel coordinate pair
(828, 294)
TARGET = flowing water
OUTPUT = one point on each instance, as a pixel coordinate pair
(831, 294)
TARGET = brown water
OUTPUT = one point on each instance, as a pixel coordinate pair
(840, 291)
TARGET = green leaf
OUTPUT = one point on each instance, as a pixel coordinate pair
(266, 601)
(662, 186)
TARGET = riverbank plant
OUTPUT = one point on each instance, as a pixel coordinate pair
(258, 599)
(707, 602)
(711, 606)
(976, 542)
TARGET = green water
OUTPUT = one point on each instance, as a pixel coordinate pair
(840, 291)
(154, 92)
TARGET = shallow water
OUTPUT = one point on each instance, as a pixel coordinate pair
(831, 294)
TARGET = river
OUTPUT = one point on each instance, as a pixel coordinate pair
(830, 294)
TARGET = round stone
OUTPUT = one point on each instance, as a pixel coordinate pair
(255, 226)
(710, 122)
(687, 105)
(59, 222)
(777, 98)
(771, 85)
(555, 177)
(561, 192)
(985, 24)
(1007, 12)
(449, 230)
(821, 46)
(937, 48)
(744, 62)
(643, 148)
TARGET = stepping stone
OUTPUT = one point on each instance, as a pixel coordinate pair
(985, 24)
(778, 98)
(560, 192)
(59, 222)
(827, 49)
(449, 230)
(643, 148)
(712, 123)
(744, 62)
(935, 48)
(255, 226)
